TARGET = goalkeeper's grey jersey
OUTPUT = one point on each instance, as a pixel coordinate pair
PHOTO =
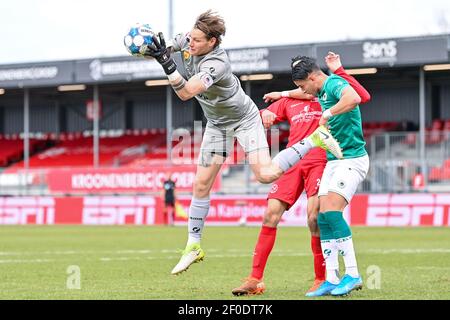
(224, 103)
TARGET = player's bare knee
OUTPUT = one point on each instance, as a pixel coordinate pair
(271, 221)
(334, 205)
(264, 178)
(265, 173)
(332, 202)
(312, 223)
(271, 218)
(201, 188)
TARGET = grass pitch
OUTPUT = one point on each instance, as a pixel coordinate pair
(42, 262)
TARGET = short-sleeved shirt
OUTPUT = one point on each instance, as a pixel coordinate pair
(346, 127)
(224, 103)
(303, 117)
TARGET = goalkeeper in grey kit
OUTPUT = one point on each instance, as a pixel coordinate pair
(230, 114)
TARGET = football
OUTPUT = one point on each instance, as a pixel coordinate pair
(138, 38)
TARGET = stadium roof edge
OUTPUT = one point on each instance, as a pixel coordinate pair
(385, 52)
(283, 46)
(347, 41)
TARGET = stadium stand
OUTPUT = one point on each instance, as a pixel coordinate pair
(440, 173)
(76, 149)
(437, 132)
(146, 147)
(371, 128)
(12, 148)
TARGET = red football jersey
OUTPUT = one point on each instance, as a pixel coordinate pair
(303, 117)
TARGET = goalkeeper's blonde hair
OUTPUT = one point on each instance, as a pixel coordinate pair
(212, 25)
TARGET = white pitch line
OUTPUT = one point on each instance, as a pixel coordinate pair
(407, 251)
(135, 254)
(124, 251)
(108, 259)
(433, 268)
(25, 261)
(72, 252)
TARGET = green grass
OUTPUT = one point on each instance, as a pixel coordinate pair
(135, 262)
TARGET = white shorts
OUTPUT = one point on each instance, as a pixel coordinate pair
(344, 176)
(251, 136)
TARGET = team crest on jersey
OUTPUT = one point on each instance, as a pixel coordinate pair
(324, 97)
(186, 55)
(274, 188)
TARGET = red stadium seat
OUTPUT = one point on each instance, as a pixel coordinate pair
(370, 128)
(447, 124)
(76, 149)
(446, 131)
(437, 124)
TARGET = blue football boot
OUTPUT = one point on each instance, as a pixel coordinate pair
(347, 285)
(324, 289)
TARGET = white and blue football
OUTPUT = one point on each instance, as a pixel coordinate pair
(138, 38)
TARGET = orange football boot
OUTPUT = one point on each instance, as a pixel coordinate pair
(316, 285)
(251, 286)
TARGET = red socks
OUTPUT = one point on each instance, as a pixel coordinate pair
(319, 262)
(263, 248)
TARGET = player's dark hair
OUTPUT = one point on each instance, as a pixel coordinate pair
(211, 24)
(302, 67)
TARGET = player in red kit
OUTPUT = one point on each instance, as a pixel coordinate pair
(303, 112)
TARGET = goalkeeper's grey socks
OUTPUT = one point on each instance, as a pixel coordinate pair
(289, 157)
(197, 214)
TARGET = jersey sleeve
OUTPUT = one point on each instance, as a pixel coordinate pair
(360, 90)
(279, 108)
(211, 71)
(337, 85)
(178, 42)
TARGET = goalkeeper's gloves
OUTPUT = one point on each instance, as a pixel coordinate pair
(159, 51)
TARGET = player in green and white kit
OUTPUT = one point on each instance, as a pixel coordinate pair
(340, 178)
(231, 114)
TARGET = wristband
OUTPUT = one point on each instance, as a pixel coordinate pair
(285, 94)
(174, 76)
(169, 66)
(327, 114)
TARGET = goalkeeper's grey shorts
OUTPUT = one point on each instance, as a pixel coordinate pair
(220, 141)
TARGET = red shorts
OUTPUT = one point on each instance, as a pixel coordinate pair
(305, 175)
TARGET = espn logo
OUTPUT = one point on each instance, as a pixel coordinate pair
(408, 210)
(27, 210)
(118, 210)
